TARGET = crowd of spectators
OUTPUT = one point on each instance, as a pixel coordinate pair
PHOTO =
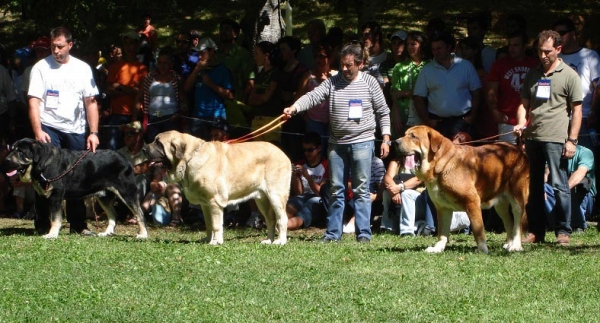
(217, 89)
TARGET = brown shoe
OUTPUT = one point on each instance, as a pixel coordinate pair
(532, 238)
(563, 239)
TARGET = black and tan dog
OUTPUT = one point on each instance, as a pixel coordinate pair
(58, 174)
(465, 178)
(215, 174)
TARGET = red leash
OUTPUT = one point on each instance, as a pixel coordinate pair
(259, 132)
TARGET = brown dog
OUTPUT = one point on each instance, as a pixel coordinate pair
(215, 174)
(465, 178)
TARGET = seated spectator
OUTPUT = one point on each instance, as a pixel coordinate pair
(582, 182)
(164, 200)
(425, 215)
(309, 174)
(402, 188)
(24, 196)
(133, 136)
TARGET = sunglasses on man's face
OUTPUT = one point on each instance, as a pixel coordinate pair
(309, 150)
(563, 32)
(129, 134)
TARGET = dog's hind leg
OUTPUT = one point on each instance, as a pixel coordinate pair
(106, 202)
(271, 221)
(264, 206)
(505, 213)
(518, 213)
(278, 204)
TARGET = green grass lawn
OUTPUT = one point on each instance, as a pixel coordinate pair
(172, 277)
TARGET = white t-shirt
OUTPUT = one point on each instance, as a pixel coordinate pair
(586, 63)
(62, 88)
(374, 63)
(162, 99)
(318, 174)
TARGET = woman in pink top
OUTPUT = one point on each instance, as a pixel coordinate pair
(317, 118)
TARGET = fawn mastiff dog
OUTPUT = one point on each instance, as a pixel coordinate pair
(465, 178)
(59, 174)
(214, 174)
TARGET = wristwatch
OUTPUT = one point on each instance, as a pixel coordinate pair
(389, 143)
(574, 141)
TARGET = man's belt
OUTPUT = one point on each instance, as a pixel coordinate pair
(436, 117)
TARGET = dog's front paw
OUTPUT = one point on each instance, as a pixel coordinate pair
(266, 241)
(215, 242)
(512, 247)
(434, 249)
(142, 236)
(279, 242)
(50, 236)
(482, 247)
(105, 234)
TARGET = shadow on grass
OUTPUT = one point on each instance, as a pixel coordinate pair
(11, 231)
(496, 250)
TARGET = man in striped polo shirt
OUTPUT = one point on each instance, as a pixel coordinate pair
(355, 102)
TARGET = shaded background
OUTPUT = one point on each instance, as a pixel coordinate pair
(97, 23)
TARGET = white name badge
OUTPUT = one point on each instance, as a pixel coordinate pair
(51, 99)
(355, 109)
(543, 89)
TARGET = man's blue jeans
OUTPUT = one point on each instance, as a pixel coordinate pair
(354, 160)
(539, 153)
(581, 206)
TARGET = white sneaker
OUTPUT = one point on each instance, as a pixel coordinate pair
(348, 228)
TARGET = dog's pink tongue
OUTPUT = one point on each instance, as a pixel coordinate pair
(11, 173)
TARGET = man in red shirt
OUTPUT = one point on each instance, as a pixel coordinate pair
(504, 85)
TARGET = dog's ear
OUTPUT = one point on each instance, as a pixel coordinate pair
(435, 140)
(178, 148)
(29, 149)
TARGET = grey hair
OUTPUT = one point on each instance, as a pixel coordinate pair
(361, 55)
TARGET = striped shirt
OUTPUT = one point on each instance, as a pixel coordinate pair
(148, 83)
(339, 92)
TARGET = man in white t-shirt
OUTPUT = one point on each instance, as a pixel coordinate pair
(62, 103)
(586, 63)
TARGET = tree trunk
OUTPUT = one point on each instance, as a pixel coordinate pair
(263, 21)
(269, 24)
